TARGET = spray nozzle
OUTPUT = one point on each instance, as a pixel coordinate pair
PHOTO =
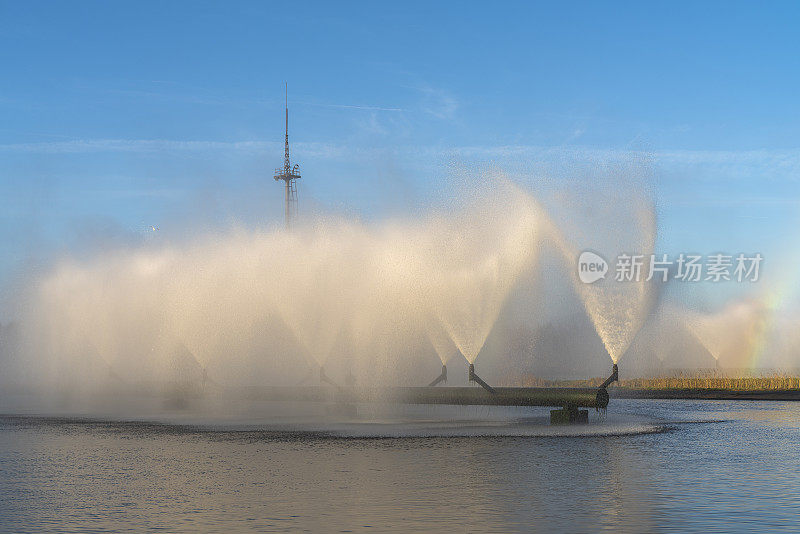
(475, 378)
(441, 378)
(613, 378)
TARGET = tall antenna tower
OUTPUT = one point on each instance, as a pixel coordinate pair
(289, 175)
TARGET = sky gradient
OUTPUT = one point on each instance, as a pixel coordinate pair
(118, 116)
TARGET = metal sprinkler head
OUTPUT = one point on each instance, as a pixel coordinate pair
(324, 378)
(475, 378)
(613, 378)
(441, 378)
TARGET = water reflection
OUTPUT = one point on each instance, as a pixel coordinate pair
(57, 474)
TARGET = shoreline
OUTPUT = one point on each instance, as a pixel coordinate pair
(705, 394)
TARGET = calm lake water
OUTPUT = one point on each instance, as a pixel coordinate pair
(646, 466)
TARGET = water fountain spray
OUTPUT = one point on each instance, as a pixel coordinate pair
(384, 277)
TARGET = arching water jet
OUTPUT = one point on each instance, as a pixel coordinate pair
(478, 260)
(443, 346)
(730, 333)
(440, 340)
(618, 222)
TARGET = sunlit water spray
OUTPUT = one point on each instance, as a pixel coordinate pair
(729, 333)
(262, 307)
(478, 263)
(315, 289)
(440, 340)
(618, 219)
(220, 303)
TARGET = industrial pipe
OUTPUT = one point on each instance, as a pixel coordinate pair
(463, 396)
(613, 378)
(475, 378)
(502, 396)
(441, 378)
(324, 378)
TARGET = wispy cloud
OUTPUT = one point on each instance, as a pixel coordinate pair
(785, 162)
(168, 193)
(372, 125)
(165, 90)
(786, 159)
(76, 146)
(351, 106)
(439, 102)
(85, 146)
(576, 134)
(746, 201)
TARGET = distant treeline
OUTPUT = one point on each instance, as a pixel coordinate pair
(698, 381)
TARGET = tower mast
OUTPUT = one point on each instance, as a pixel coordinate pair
(288, 174)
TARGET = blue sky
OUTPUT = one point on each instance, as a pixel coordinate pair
(118, 115)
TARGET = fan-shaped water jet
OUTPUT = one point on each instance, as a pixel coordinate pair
(617, 221)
